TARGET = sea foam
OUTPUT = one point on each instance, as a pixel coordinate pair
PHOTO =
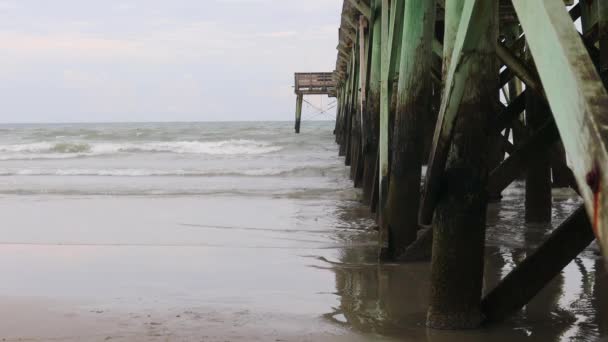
(61, 150)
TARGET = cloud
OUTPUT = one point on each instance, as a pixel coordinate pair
(159, 61)
(7, 5)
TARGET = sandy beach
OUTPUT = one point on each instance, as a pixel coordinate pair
(270, 244)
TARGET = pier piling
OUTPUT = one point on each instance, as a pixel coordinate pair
(299, 112)
(413, 107)
(460, 214)
(520, 94)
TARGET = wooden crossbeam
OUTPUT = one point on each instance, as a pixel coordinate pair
(577, 98)
(510, 112)
(514, 166)
(518, 68)
(362, 7)
(350, 22)
(349, 34)
(519, 43)
(533, 274)
(469, 34)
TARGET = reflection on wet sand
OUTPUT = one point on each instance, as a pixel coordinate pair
(391, 299)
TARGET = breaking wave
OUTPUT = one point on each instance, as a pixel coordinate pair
(62, 150)
(274, 172)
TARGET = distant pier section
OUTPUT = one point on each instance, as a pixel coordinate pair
(312, 83)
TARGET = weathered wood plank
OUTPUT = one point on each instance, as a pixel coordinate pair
(362, 7)
(459, 217)
(392, 26)
(533, 274)
(577, 97)
(372, 110)
(515, 165)
(413, 102)
(298, 112)
(467, 39)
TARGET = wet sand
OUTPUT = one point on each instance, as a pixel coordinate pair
(252, 269)
(230, 241)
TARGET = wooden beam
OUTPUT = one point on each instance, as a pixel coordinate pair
(392, 24)
(603, 38)
(372, 106)
(469, 35)
(362, 7)
(518, 68)
(350, 21)
(352, 36)
(510, 112)
(298, 112)
(459, 219)
(515, 165)
(577, 98)
(537, 270)
(412, 109)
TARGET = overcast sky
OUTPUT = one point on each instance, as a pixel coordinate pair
(160, 60)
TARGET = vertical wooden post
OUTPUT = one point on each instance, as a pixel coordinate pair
(459, 221)
(538, 201)
(413, 107)
(299, 112)
(353, 128)
(372, 108)
(385, 95)
(603, 38)
(348, 112)
(392, 27)
(356, 171)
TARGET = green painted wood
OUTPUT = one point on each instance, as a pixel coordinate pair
(577, 97)
(372, 106)
(518, 67)
(414, 92)
(453, 11)
(458, 225)
(470, 31)
(392, 27)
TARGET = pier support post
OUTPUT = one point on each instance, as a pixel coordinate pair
(603, 38)
(372, 106)
(560, 173)
(413, 108)
(392, 28)
(459, 220)
(538, 176)
(299, 101)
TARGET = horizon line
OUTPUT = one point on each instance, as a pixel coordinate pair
(135, 122)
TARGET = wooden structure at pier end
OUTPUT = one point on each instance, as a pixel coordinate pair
(312, 83)
(483, 92)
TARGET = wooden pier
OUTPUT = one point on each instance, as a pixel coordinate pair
(483, 92)
(312, 83)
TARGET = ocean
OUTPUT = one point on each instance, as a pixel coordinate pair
(168, 159)
(240, 231)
